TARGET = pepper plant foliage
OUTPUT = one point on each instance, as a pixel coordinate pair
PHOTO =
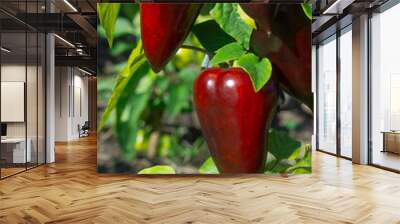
(147, 111)
(108, 16)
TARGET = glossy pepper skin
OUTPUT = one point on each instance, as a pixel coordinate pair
(164, 27)
(284, 36)
(234, 118)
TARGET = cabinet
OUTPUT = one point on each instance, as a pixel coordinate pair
(391, 142)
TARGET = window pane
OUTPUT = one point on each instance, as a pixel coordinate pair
(31, 97)
(41, 99)
(15, 150)
(385, 84)
(327, 96)
(346, 94)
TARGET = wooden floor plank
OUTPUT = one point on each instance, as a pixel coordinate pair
(70, 191)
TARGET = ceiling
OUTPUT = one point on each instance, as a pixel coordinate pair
(337, 14)
(74, 22)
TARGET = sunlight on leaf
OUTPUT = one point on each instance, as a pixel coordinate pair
(304, 164)
(208, 167)
(260, 71)
(158, 170)
(108, 13)
(307, 10)
(228, 53)
(136, 59)
(130, 108)
(228, 17)
(246, 18)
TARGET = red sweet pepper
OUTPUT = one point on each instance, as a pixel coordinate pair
(164, 27)
(234, 118)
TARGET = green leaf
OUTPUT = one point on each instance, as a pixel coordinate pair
(246, 18)
(307, 10)
(207, 7)
(136, 59)
(228, 53)
(108, 13)
(211, 36)
(158, 170)
(208, 167)
(303, 166)
(302, 170)
(123, 27)
(130, 107)
(281, 145)
(259, 70)
(296, 154)
(270, 162)
(281, 166)
(229, 19)
(299, 162)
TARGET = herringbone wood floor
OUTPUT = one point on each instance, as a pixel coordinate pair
(70, 191)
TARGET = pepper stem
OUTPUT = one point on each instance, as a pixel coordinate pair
(197, 49)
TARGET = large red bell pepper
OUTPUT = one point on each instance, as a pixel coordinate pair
(234, 118)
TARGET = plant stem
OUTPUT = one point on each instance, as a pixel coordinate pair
(197, 49)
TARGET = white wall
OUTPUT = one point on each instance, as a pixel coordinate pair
(14, 73)
(81, 100)
(13, 100)
(71, 94)
(33, 127)
(50, 95)
(61, 103)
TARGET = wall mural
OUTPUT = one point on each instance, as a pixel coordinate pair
(210, 88)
